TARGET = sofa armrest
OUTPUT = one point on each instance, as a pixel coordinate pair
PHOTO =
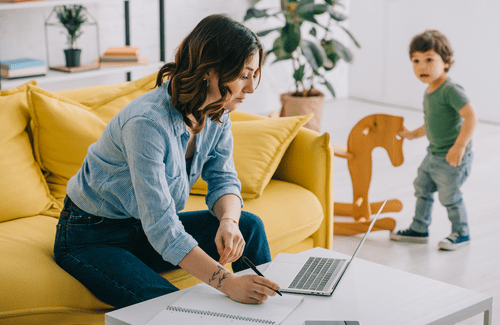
(308, 162)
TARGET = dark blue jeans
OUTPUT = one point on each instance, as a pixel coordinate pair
(115, 261)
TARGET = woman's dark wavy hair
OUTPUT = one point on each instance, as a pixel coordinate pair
(217, 42)
(433, 40)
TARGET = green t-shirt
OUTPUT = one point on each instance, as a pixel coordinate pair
(442, 120)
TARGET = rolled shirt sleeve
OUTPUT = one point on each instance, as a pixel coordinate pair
(218, 170)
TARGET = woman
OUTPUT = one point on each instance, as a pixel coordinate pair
(120, 224)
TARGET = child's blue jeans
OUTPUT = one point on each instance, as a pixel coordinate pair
(435, 174)
(115, 261)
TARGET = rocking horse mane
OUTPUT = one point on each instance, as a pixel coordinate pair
(377, 130)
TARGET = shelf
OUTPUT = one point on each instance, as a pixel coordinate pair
(56, 76)
(48, 3)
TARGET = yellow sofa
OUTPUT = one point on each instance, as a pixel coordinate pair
(43, 139)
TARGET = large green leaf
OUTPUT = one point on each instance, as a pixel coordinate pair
(314, 54)
(332, 58)
(265, 32)
(342, 51)
(312, 8)
(329, 86)
(255, 13)
(299, 73)
(309, 10)
(338, 16)
(278, 51)
(330, 54)
(352, 37)
(290, 37)
(304, 2)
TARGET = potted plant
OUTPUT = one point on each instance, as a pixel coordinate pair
(72, 18)
(306, 37)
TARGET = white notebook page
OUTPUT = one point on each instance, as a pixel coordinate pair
(203, 304)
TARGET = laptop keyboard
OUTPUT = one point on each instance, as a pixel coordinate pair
(315, 273)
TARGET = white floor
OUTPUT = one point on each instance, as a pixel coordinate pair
(475, 267)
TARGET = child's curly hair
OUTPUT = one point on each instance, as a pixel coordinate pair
(433, 40)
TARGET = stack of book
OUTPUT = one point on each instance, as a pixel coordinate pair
(21, 68)
(120, 56)
(15, 1)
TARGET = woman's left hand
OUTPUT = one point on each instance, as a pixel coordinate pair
(229, 241)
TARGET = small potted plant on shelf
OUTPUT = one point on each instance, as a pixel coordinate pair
(72, 18)
(306, 37)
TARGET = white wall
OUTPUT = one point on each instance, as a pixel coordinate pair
(22, 34)
(382, 70)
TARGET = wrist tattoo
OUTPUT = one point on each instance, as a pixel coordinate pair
(221, 278)
(224, 276)
(215, 274)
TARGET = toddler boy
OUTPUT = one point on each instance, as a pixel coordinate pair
(450, 120)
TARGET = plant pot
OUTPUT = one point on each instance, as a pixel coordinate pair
(297, 105)
(72, 57)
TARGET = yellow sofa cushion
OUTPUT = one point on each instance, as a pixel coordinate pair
(62, 132)
(35, 285)
(80, 94)
(259, 146)
(108, 103)
(288, 218)
(32, 281)
(54, 116)
(23, 191)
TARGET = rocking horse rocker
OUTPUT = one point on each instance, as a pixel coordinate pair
(378, 130)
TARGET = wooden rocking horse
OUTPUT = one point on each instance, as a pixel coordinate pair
(378, 130)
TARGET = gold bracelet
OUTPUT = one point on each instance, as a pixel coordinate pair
(227, 218)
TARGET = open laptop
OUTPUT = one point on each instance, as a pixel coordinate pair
(311, 275)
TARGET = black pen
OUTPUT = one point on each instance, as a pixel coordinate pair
(250, 264)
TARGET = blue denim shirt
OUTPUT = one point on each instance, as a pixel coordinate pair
(137, 169)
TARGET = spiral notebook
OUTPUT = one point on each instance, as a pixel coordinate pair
(203, 304)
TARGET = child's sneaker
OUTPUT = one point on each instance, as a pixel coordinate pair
(410, 236)
(453, 242)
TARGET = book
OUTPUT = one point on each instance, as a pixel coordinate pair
(142, 60)
(203, 304)
(25, 72)
(21, 63)
(124, 50)
(119, 58)
(20, 68)
(16, 1)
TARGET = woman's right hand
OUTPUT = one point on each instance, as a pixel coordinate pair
(249, 288)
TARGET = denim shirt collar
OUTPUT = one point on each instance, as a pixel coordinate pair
(177, 122)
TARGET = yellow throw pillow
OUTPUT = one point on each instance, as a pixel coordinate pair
(107, 104)
(62, 132)
(79, 94)
(64, 129)
(259, 146)
(23, 190)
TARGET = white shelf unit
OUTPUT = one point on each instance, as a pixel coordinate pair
(47, 3)
(58, 76)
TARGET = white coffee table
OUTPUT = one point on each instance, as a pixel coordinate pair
(370, 293)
